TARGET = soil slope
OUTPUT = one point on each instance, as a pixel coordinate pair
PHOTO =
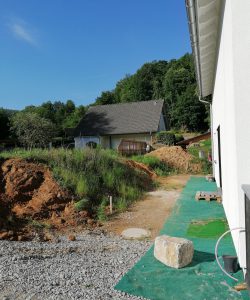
(29, 195)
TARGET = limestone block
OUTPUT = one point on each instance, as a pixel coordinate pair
(135, 233)
(173, 251)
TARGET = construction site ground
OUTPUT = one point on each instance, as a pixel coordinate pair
(142, 214)
(202, 222)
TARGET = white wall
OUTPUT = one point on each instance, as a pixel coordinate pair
(80, 142)
(231, 108)
(104, 141)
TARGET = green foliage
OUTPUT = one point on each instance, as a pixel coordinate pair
(204, 146)
(173, 81)
(188, 113)
(169, 137)
(32, 130)
(159, 167)
(121, 205)
(178, 138)
(73, 118)
(62, 115)
(38, 225)
(82, 204)
(92, 174)
(166, 137)
(81, 187)
(4, 124)
(101, 213)
(105, 98)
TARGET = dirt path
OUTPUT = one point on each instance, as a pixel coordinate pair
(151, 212)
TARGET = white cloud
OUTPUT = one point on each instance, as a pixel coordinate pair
(22, 31)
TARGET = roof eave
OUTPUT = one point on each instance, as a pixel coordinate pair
(204, 40)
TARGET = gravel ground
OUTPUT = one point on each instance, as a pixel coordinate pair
(87, 268)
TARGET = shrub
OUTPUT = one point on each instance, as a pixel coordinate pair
(166, 137)
(178, 138)
(82, 204)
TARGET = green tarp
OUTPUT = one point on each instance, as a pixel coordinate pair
(202, 279)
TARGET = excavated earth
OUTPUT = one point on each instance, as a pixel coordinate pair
(177, 158)
(32, 201)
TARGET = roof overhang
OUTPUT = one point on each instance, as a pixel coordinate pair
(204, 18)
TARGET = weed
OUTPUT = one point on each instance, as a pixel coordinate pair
(101, 213)
(121, 204)
(81, 204)
(39, 225)
(81, 187)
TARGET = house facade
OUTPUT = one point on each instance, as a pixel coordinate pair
(220, 37)
(107, 125)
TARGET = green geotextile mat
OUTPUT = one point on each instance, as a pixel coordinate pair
(202, 279)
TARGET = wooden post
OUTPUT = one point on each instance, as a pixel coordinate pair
(111, 204)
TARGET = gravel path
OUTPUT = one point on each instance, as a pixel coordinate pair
(87, 268)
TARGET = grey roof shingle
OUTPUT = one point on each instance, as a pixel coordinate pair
(123, 118)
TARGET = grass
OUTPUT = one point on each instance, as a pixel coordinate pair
(81, 204)
(204, 146)
(38, 225)
(90, 174)
(159, 167)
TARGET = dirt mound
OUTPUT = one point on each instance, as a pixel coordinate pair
(141, 167)
(30, 196)
(177, 158)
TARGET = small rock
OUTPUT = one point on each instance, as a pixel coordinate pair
(135, 233)
(4, 235)
(71, 237)
(90, 221)
(20, 238)
(47, 237)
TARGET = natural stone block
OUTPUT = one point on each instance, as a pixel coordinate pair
(135, 233)
(173, 251)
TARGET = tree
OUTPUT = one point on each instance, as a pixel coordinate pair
(32, 130)
(4, 124)
(74, 118)
(61, 114)
(188, 113)
(105, 98)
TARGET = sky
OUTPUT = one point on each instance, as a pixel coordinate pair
(54, 50)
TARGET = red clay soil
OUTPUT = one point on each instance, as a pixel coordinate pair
(177, 158)
(28, 194)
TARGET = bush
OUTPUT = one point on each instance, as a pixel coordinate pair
(82, 204)
(178, 138)
(166, 137)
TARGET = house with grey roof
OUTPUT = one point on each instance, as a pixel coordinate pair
(107, 125)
